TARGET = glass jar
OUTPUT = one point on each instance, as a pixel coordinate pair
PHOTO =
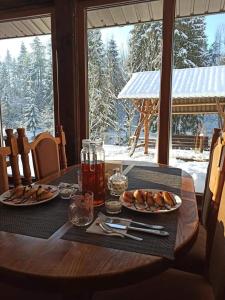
(93, 169)
(117, 183)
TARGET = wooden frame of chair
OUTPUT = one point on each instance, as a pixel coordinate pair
(11, 142)
(4, 182)
(216, 183)
(207, 195)
(38, 149)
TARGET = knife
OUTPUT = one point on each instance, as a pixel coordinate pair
(118, 221)
(146, 230)
(114, 220)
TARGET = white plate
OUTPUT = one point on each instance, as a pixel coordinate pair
(148, 211)
(54, 190)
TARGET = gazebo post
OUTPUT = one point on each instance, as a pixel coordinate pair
(146, 126)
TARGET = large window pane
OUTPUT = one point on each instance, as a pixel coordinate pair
(26, 87)
(197, 85)
(115, 56)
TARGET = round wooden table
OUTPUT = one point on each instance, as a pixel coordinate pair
(72, 266)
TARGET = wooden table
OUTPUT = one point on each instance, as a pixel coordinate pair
(72, 266)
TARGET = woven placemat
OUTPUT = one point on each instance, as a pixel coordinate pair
(151, 244)
(160, 178)
(38, 221)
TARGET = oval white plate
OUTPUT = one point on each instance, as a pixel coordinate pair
(148, 211)
(54, 190)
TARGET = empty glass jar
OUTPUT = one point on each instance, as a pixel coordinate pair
(117, 183)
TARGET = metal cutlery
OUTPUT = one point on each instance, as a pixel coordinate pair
(110, 230)
(146, 230)
(115, 220)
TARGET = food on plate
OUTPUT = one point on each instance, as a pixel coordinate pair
(169, 199)
(128, 197)
(149, 200)
(159, 200)
(29, 194)
(139, 196)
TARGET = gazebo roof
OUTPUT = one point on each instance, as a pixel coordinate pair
(194, 90)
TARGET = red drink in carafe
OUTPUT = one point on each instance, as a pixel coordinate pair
(93, 169)
(93, 179)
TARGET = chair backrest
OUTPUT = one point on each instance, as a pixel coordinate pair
(48, 153)
(215, 184)
(216, 272)
(207, 195)
(4, 183)
(9, 158)
(11, 142)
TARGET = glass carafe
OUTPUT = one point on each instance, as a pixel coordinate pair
(93, 169)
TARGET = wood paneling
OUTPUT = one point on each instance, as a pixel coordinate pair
(166, 82)
(64, 64)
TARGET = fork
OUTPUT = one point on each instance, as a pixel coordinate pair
(107, 229)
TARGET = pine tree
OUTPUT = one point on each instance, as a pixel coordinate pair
(217, 49)
(7, 93)
(116, 81)
(100, 107)
(190, 50)
(31, 111)
(145, 47)
(190, 43)
(38, 66)
(48, 110)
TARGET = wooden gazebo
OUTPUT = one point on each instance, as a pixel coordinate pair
(194, 91)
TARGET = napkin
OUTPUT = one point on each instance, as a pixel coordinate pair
(94, 227)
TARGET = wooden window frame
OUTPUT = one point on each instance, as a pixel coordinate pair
(69, 43)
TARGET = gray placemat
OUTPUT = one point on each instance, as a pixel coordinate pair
(38, 221)
(161, 178)
(151, 244)
(154, 245)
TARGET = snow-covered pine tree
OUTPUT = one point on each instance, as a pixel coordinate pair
(190, 50)
(31, 111)
(145, 47)
(23, 74)
(190, 43)
(7, 92)
(100, 108)
(38, 73)
(116, 82)
(48, 109)
(217, 49)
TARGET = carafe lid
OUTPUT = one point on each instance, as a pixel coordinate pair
(85, 142)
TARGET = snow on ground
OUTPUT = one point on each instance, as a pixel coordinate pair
(196, 165)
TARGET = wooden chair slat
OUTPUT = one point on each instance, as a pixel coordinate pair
(11, 141)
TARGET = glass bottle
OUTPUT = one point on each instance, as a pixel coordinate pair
(93, 169)
(117, 183)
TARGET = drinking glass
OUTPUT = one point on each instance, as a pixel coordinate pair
(113, 205)
(81, 208)
(66, 190)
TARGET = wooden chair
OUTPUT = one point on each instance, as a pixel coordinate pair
(4, 182)
(199, 254)
(176, 284)
(48, 153)
(10, 152)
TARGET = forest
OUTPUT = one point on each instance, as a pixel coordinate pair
(26, 87)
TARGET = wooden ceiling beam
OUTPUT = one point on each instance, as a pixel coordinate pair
(25, 12)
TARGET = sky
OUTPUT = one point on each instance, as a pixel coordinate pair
(120, 35)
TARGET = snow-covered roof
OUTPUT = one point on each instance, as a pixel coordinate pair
(204, 82)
